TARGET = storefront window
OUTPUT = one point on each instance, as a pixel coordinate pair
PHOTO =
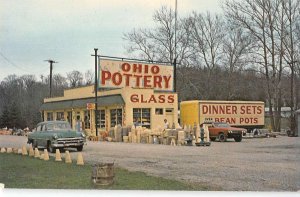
(101, 118)
(142, 117)
(60, 116)
(87, 118)
(159, 111)
(169, 110)
(49, 116)
(116, 117)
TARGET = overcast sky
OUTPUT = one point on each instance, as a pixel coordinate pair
(67, 31)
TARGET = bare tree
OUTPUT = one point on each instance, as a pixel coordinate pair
(261, 18)
(237, 45)
(60, 83)
(89, 77)
(291, 11)
(75, 78)
(206, 42)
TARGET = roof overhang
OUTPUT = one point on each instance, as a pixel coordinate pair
(79, 103)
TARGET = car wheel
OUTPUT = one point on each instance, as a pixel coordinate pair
(50, 148)
(238, 138)
(79, 148)
(212, 139)
(222, 137)
(34, 144)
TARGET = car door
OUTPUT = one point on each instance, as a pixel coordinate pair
(36, 135)
(213, 131)
(43, 136)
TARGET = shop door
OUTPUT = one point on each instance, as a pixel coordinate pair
(69, 118)
(170, 116)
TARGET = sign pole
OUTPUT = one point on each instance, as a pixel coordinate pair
(96, 91)
(175, 42)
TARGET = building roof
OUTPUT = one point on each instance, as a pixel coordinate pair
(76, 103)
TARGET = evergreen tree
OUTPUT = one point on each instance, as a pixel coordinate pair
(4, 119)
(14, 116)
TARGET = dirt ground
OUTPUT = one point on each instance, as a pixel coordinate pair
(267, 164)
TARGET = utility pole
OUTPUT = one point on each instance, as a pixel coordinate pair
(51, 68)
(96, 91)
(175, 53)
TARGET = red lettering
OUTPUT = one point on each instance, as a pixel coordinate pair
(248, 120)
(142, 99)
(146, 69)
(248, 109)
(228, 109)
(147, 81)
(127, 77)
(161, 98)
(152, 99)
(222, 109)
(171, 99)
(117, 79)
(138, 79)
(134, 98)
(242, 120)
(259, 109)
(167, 80)
(234, 110)
(255, 121)
(137, 68)
(242, 109)
(157, 81)
(155, 69)
(215, 109)
(125, 67)
(204, 109)
(105, 75)
(232, 121)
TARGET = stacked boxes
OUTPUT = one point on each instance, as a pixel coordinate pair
(178, 136)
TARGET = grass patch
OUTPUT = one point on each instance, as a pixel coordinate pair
(18, 171)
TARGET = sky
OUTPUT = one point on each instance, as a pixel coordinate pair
(67, 31)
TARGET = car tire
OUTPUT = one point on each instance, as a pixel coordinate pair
(50, 148)
(79, 148)
(212, 139)
(222, 137)
(238, 138)
(34, 144)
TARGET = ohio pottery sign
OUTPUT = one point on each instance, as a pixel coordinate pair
(118, 74)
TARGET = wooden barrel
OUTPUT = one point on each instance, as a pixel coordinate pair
(103, 174)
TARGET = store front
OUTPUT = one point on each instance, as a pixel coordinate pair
(134, 93)
(125, 106)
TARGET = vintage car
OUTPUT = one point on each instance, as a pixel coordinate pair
(56, 134)
(223, 131)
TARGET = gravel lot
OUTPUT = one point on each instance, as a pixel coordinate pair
(266, 164)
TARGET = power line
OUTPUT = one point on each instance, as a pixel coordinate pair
(13, 64)
(20, 68)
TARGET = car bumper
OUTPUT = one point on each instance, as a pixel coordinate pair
(65, 143)
(235, 134)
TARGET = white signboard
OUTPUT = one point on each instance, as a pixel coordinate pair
(118, 74)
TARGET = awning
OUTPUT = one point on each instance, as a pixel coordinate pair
(78, 103)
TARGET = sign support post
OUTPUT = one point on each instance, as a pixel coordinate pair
(96, 91)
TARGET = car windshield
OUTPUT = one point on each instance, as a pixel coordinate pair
(58, 126)
(221, 124)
